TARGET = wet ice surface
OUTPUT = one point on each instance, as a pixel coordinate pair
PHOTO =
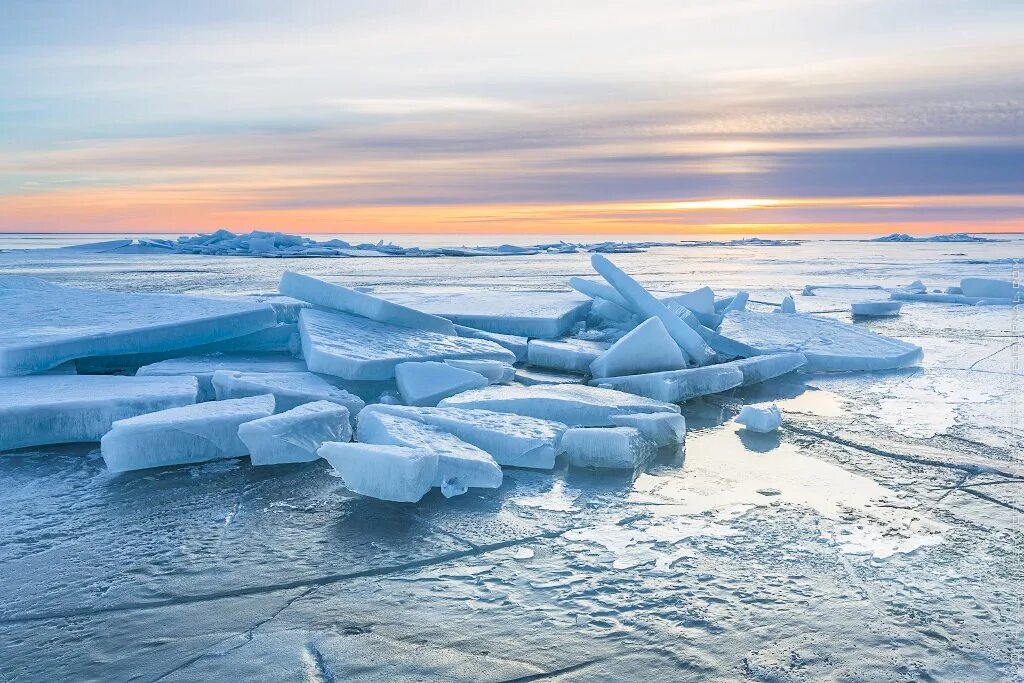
(871, 538)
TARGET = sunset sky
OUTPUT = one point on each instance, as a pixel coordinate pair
(755, 116)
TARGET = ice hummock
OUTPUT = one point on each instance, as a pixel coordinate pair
(396, 473)
(295, 435)
(180, 436)
(761, 420)
(289, 389)
(51, 409)
(606, 447)
(646, 348)
(203, 367)
(424, 384)
(356, 348)
(43, 325)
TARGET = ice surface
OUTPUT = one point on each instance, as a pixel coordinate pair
(396, 473)
(50, 409)
(424, 384)
(988, 288)
(876, 308)
(761, 420)
(355, 348)
(567, 355)
(606, 447)
(179, 436)
(676, 386)
(44, 325)
(571, 404)
(643, 302)
(348, 300)
(296, 434)
(517, 345)
(460, 465)
(289, 389)
(495, 371)
(661, 429)
(203, 367)
(646, 348)
(533, 376)
(827, 344)
(520, 313)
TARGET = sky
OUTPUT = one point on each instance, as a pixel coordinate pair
(684, 117)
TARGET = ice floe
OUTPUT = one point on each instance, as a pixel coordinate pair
(607, 447)
(289, 389)
(761, 420)
(424, 384)
(295, 435)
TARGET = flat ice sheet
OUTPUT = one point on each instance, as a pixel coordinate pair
(203, 367)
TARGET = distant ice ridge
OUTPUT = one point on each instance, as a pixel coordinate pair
(954, 237)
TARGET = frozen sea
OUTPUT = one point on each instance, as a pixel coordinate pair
(876, 537)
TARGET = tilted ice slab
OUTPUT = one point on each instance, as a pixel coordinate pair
(646, 348)
(534, 376)
(527, 314)
(571, 404)
(396, 473)
(661, 429)
(460, 465)
(289, 389)
(699, 300)
(761, 420)
(512, 440)
(827, 344)
(296, 434)
(44, 325)
(424, 384)
(49, 409)
(359, 303)
(179, 436)
(495, 371)
(762, 368)
(515, 344)
(355, 348)
(203, 367)
(606, 447)
(566, 355)
(676, 386)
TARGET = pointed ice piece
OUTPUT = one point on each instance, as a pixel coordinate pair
(43, 325)
(296, 434)
(647, 348)
(359, 303)
(424, 384)
(179, 436)
(607, 448)
(516, 345)
(50, 409)
(355, 348)
(571, 404)
(600, 290)
(532, 376)
(396, 473)
(643, 302)
(661, 429)
(676, 386)
(787, 305)
(761, 368)
(460, 465)
(203, 367)
(738, 303)
(289, 389)
(988, 288)
(828, 345)
(761, 420)
(495, 371)
(876, 309)
(568, 355)
(699, 300)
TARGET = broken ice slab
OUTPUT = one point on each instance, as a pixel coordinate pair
(526, 314)
(567, 355)
(356, 348)
(44, 325)
(512, 440)
(495, 371)
(424, 384)
(676, 386)
(296, 434)
(737, 303)
(287, 308)
(646, 348)
(289, 389)
(50, 409)
(827, 344)
(460, 465)
(661, 429)
(576, 405)
(533, 376)
(761, 420)
(644, 303)
(203, 367)
(179, 436)
(988, 288)
(607, 447)
(339, 298)
(396, 473)
(596, 290)
(762, 368)
(699, 300)
(899, 295)
(876, 309)
(515, 344)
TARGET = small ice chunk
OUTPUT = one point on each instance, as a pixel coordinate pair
(203, 367)
(296, 434)
(289, 389)
(49, 409)
(567, 355)
(876, 309)
(516, 345)
(787, 305)
(607, 447)
(647, 348)
(661, 429)
(495, 371)
(179, 436)
(396, 473)
(988, 288)
(676, 386)
(571, 404)
(916, 287)
(738, 303)
(761, 420)
(460, 465)
(424, 384)
(359, 303)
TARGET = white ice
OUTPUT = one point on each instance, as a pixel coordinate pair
(676, 386)
(396, 473)
(988, 288)
(876, 309)
(787, 305)
(495, 371)
(49, 409)
(606, 447)
(565, 355)
(699, 300)
(511, 342)
(179, 436)
(296, 434)
(203, 367)
(661, 429)
(289, 389)
(761, 420)
(43, 325)
(738, 302)
(646, 348)
(424, 384)
(356, 348)
(359, 303)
